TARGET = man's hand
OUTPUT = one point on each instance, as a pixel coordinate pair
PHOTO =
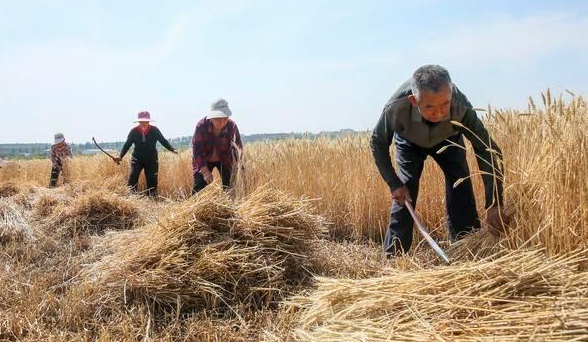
(497, 221)
(207, 175)
(401, 194)
(117, 160)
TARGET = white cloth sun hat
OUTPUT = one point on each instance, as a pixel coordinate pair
(219, 109)
(59, 138)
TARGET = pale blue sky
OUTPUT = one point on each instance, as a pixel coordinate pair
(87, 67)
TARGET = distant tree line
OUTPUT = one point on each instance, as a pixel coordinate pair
(38, 150)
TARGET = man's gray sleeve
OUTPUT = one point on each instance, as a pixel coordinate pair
(488, 156)
(380, 145)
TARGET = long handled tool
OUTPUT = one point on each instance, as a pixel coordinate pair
(426, 234)
(101, 149)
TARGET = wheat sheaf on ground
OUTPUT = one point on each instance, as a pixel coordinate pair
(13, 224)
(78, 207)
(8, 189)
(75, 209)
(96, 211)
(209, 252)
(520, 296)
(482, 243)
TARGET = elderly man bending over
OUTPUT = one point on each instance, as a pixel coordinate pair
(418, 117)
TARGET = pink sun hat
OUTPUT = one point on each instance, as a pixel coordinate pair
(144, 116)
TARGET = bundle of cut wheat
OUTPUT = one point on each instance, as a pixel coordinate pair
(209, 252)
(93, 211)
(348, 259)
(8, 189)
(13, 225)
(282, 224)
(482, 243)
(22, 193)
(477, 245)
(520, 296)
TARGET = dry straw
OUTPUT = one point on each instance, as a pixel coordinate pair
(519, 296)
(346, 259)
(482, 243)
(209, 252)
(13, 224)
(8, 189)
(477, 245)
(94, 211)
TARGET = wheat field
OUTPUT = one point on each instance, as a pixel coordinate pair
(297, 250)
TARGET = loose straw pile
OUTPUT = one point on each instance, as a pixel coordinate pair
(476, 246)
(8, 189)
(482, 243)
(93, 211)
(209, 252)
(519, 296)
(13, 225)
(78, 207)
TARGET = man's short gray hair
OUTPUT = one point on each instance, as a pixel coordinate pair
(429, 78)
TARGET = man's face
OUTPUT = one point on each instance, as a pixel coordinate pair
(144, 124)
(433, 106)
(219, 123)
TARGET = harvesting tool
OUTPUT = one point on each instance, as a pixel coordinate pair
(426, 234)
(101, 149)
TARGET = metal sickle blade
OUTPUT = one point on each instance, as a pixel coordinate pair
(426, 234)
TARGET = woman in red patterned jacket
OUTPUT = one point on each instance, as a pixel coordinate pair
(59, 152)
(216, 144)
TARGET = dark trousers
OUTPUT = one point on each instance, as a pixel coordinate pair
(151, 168)
(460, 202)
(54, 176)
(225, 172)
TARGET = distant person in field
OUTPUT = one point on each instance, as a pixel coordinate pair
(418, 117)
(216, 144)
(60, 151)
(145, 138)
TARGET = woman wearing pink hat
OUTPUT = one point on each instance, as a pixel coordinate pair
(145, 138)
(216, 144)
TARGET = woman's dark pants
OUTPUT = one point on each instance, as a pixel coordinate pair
(225, 172)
